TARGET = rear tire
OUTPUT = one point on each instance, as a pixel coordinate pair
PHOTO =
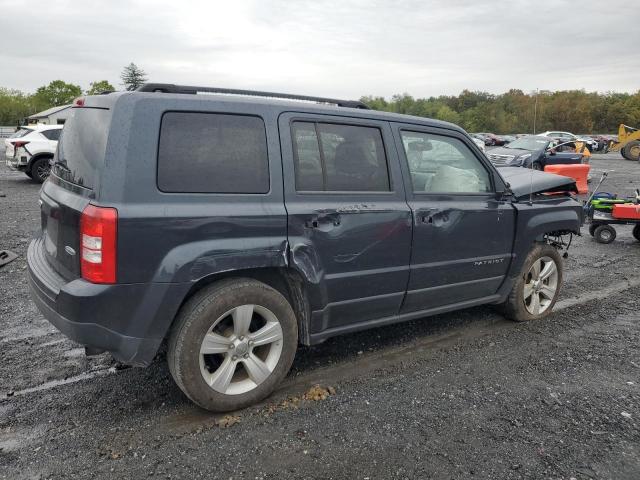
(631, 150)
(592, 229)
(636, 232)
(40, 170)
(536, 289)
(29, 174)
(215, 357)
(604, 234)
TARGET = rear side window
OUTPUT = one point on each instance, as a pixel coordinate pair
(339, 158)
(212, 153)
(82, 146)
(52, 134)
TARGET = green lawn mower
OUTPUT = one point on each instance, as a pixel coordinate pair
(605, 209)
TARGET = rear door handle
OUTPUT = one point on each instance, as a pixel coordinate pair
(426, 216)
(323, 219)
(312, 223)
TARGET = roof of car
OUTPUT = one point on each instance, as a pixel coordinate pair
(555, 131)
(43, 126)
(537, 136)
(284, 104)
(49, 111)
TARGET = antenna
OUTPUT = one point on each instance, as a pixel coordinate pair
(535, 112)
(531, 186)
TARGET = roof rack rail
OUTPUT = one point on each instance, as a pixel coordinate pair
(171, 88)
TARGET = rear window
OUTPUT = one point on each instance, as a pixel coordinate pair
(21, 133)
(82, 145)
(212, 153)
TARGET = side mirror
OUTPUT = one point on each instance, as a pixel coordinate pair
(552, 151)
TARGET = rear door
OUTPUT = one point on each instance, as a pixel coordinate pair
(349, 226)
(462, 232)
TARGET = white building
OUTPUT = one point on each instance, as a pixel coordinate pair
(52, 116)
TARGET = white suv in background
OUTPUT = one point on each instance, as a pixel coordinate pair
(30, 149)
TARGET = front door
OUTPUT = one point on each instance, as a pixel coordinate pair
(463, 232)
(349, 226)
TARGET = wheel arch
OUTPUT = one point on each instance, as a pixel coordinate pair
(36, 157)
(286, 281)
(533, 224)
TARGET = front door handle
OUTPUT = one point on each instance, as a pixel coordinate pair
(432, 216)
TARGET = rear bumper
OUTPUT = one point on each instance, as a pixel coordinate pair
(128, 320)
(17, 163)
(130, 350)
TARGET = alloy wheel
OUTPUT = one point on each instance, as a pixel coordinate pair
(541, 285)
(241, 349)
(42, 171)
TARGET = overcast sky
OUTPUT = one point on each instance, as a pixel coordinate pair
(338, 48)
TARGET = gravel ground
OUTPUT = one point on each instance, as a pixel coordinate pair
(461, 395)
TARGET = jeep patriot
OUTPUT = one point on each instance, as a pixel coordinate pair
(235, 225)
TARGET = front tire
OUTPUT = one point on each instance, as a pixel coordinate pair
(536, 289)
(232, 344)
(537, 166)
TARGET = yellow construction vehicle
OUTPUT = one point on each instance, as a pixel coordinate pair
(628, 142)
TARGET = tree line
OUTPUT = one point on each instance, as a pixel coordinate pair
(511, 112)
(575, 111)
(15, 105)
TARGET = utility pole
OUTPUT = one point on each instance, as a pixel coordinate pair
(535, 112)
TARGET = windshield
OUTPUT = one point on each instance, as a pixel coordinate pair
(529, 143)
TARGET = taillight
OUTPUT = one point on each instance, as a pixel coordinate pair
(78, 102)
(98, 233)
(19, 143)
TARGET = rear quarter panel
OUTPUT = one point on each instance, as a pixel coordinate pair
(183, 237)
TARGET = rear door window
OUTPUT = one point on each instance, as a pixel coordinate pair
(306, 153)
(339, 158)
(212, 153)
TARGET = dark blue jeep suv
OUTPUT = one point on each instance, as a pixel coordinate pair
(235, 225)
